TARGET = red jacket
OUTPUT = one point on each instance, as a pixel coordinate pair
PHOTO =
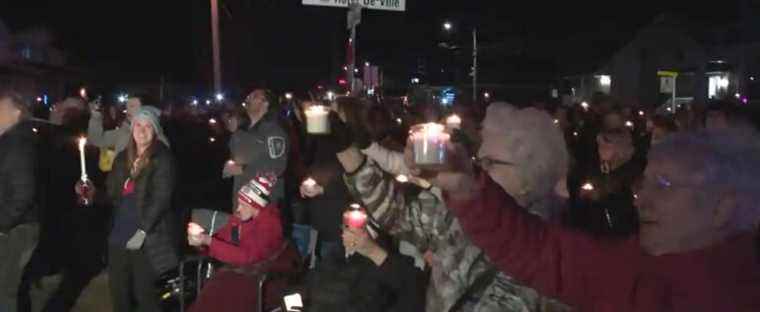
(260, 237)
(604, 275)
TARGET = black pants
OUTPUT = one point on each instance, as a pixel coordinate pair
(132, 281)
(16, 249)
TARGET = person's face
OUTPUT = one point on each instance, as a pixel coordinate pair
(245, 211)
(498, 162)
(613, 121)
(133, 105)
(142, 131)
(256, 102)
(672, 218)
(9, 115)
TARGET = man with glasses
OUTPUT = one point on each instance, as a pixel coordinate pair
(19, 228)
(259, 148)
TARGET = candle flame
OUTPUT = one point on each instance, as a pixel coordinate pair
(629, 124)
(641, 113)
(402, 178)
(453, 119)
(355, 206)
(194, 229)
(317, 109)
(587, 186)
(212, 121)
(309, 182)
(82, 142)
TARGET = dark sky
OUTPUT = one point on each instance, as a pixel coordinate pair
(277, 39)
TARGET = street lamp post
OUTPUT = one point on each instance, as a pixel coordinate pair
(215, 46)
(448, 26)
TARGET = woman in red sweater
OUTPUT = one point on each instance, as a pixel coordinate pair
(252, 235)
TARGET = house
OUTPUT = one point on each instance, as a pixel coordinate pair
(673, 62)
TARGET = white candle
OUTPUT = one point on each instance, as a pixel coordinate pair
(453, 122)
(429, 144)
(82, 143)
(316, 119)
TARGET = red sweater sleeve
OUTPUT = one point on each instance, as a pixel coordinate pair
(259, 239)
(561, 263)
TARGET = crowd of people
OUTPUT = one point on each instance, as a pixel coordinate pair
(594, 206)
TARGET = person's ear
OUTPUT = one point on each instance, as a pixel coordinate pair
(723, 212)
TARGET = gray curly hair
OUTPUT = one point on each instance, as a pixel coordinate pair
(535, 144)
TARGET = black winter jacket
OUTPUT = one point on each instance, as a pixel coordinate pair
(154, 188)
(18, 163)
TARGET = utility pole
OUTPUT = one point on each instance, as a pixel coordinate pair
(474, 65)
(215, 46)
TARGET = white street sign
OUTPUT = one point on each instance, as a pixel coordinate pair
(387, 5)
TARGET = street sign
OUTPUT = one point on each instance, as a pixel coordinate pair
(386, 5)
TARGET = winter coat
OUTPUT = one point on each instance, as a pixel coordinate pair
(604, 275)
(154, 188)
(256, 239)
(423, 220)
(262, 150)
(17, 177)
(326, 210)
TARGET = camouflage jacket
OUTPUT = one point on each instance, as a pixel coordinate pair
(424, 220)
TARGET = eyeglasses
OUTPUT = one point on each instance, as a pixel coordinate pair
(487, 162)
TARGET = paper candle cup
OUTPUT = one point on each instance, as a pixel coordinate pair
(316, 119)
(355, 217)
(429, 141)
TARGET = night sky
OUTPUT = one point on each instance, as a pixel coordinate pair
(281, 42)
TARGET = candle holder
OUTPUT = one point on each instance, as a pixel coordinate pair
(355, 217)
(429, 141)
(85, 192)
(316, 119)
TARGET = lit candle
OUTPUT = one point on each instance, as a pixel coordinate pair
(453, 122)
(194, 229)
(429, 144)
(402, 178)
(587, 187)
(82, 143)
(629, 124)
(316, 119)
(585, 106)
(556, 121)
(310, 184)
(641, 113)
(212, 121)
(355, 217)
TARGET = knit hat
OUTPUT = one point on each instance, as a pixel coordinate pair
(257, 192)
(152, 115)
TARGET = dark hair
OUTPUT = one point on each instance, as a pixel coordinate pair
(17, 101)
(136, 163)
(352, 107)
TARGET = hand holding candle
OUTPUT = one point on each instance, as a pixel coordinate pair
(195, 236)
(353, 218)
(310, 188)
